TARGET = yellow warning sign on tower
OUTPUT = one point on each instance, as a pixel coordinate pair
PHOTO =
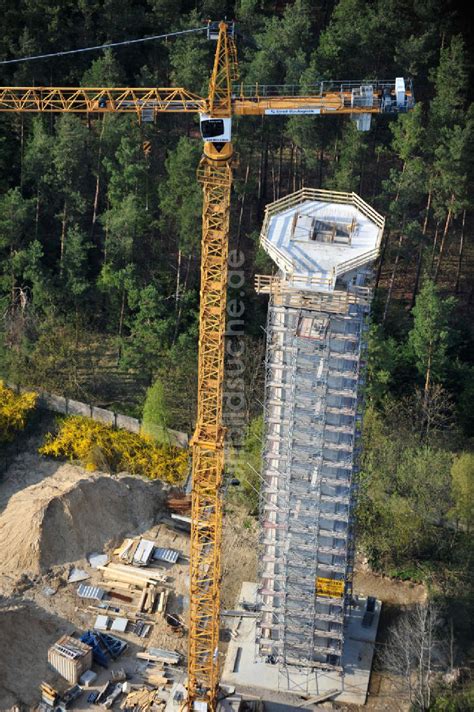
(329, 587)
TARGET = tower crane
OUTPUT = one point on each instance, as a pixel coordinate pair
(225, 100)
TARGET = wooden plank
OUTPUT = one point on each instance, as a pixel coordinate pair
(145, 655)
(143, 597)
(120, 597)
(139, 573)
(121, 585)
(156, 679)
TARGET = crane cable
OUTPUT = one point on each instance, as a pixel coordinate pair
(103, 46)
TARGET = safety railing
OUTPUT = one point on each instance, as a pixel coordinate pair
(316, 89)
(336, 300)
(268, 283)
(368, 211)
(355, 262)
(325, 196)
(280, 258)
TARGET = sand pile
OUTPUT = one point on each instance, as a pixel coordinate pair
(71, 513)
(26, 632)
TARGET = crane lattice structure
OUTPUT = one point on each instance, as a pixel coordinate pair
(225, 99)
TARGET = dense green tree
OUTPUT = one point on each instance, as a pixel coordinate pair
(462, 473)
(71, 175)
(190, 59)
(155, 417)
(75, 265)
(38, 172)
(281, 56)
(180, 196)
(349, 164)
(450, 84)
(15, 225)
(177, 371)
(384, 357)
(104, 71)
(248, 463)
(429, 338)
(404, 494)
(151, 330)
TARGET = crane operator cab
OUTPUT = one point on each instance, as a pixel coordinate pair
(216, 130)
(217, 135)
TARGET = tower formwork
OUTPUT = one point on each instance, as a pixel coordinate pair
(323, 244)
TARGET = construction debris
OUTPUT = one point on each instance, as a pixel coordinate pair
(49, 695)
(144, 552)
(68, 697)
(70, 657)
(88, 678)
(179, 503)
(48, 591)
(141, 629)
(103, 693)
(175, 623)
(120, 597)
(171, 657)
(169, 555)
(143, 700)
(153, 679)
(88, 545)
(96, 560)
(101, 623)
(105, 647)
(119, 676)
(181, 522)
(124, 551)
(93, 592)
(51, 699)
(114, 694)
(77, 575)
(132, 574)
(119, 625)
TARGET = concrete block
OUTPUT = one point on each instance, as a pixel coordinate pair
(77, 408)
(127, 423)
(103, 416)
(88, 678)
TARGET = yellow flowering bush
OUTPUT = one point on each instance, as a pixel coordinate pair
(14, 410)
(99, 446)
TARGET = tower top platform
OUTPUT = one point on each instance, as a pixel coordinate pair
(315, 236)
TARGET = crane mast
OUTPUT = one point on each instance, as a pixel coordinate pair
(215, 174)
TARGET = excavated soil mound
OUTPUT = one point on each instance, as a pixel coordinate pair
(26, 632)
(71, 513)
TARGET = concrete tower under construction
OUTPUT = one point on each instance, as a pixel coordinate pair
(324, 245)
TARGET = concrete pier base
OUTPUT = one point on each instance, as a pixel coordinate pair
(252, 676)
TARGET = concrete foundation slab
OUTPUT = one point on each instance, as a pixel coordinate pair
(244, 670)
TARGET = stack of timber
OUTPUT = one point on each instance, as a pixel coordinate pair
(155, 677)
(132, 575)
(160, 655)
(179, 503)
(141, 552)
(49, 695)
(142, 700)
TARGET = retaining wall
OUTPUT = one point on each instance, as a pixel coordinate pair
(68, 406)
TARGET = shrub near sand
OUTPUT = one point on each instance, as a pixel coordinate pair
(101, 447)
(14, 411)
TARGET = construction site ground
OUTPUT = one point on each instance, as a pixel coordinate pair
(53, 514)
